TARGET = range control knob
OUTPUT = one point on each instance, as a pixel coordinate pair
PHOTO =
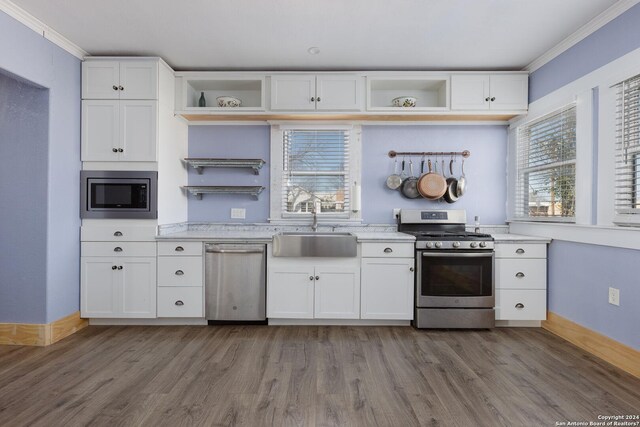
(483, 244)
(429, 245)
(456, 244)
(438, 244)
(473, 244)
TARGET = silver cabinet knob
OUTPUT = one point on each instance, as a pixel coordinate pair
(179, 272)
(493, 98)
(115, 87)
(520, 274)
(313, 99)
(317, 277)
(411, 269)
(115, 150)
(179, 303)
(520, 251)
(519, 306)
(114, 267)
(118, 233)
(318, 99)
(388, 250)
(179, 249)
(120, 150)
(310, 277)
(119, 267)
(487, 99)
(117, 249)
(120, 87)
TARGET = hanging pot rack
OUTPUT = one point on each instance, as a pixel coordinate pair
(465, 153)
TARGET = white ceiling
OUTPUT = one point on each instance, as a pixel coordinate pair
(351, 34)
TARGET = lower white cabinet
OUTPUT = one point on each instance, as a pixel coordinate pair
(302, 289)
(180, 279)
(521, 281)
(387, 288)
(114, 287)
(180, 301)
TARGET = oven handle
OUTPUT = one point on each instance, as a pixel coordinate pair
(461, 255)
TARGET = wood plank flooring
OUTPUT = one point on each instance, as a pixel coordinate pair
(308, 376)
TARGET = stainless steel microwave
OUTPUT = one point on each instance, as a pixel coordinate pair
(119, 194)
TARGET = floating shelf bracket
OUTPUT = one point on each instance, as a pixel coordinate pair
(465, 153)
(199, 190)
(199, 163)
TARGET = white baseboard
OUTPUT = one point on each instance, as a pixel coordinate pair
(147, 322)
(338, 322)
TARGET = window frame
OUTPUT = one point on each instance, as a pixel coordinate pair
(514, 171)
(276, 212)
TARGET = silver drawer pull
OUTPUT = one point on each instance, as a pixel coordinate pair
(388, 250)
(520, 251)
(179, 249)
(519, 306)
(179, 303)
(117, 249)
(317, 277)
(179, 273)
(520, 274)
(118, 233)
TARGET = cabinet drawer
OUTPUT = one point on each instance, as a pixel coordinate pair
(180, 302)
(180, 248)
(521, 274)
(392, 250)
(116, 233)
(518, 250)
(179, 271)
(118, 249)
(521, 304)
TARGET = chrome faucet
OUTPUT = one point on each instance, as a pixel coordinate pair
(314, 224)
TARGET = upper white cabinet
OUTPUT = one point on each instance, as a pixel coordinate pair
(431, 92)
(126, 79)
(326, 92)
(499, 92)
(119, 130)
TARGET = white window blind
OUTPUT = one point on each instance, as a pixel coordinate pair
(627, 158)
(316, 171)
(546, 167)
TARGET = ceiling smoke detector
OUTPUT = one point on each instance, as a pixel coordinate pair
(313, 50)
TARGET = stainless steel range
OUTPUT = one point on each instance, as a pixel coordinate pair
(454, 280)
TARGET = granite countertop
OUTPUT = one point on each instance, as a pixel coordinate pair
(263, 233)
(519, 238)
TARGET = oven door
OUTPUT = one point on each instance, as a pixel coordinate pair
(455, 279)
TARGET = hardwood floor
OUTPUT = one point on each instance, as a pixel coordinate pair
(308, 376)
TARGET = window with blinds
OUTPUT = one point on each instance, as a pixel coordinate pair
(316, 171)
(627, 157)
(546, 167)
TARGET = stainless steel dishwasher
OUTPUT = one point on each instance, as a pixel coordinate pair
(235, 282)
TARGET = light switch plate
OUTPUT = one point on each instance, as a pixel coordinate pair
(238, 213)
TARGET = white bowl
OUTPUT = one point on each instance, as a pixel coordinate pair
(228, 101)
(404, 101)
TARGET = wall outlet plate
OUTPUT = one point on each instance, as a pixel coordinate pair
(396, 212)
(238, 213)
(614, 296)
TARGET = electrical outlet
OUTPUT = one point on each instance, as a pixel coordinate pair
(238, 213)
(614, 296)
(396, 212)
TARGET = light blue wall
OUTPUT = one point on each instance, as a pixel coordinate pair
(485, 169)
(579, 279)
(24, 120)
(580, 274)
(29, 56)
(618, 37)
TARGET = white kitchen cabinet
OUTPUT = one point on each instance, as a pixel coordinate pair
(180, 279)
(125, 79)
(499, 92)
(337, 292)
(118, 287)
(308, 92)
(521, 281)
(307, 289)
(290, 291)
(180, 302)
(119, 130)
(387, 286)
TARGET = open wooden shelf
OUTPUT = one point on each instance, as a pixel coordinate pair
(353, 117)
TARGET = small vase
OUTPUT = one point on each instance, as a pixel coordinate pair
(202, 102)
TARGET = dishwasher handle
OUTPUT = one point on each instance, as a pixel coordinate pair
(219, 249)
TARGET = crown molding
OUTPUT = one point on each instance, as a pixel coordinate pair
(41, 28)
(582, 33)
